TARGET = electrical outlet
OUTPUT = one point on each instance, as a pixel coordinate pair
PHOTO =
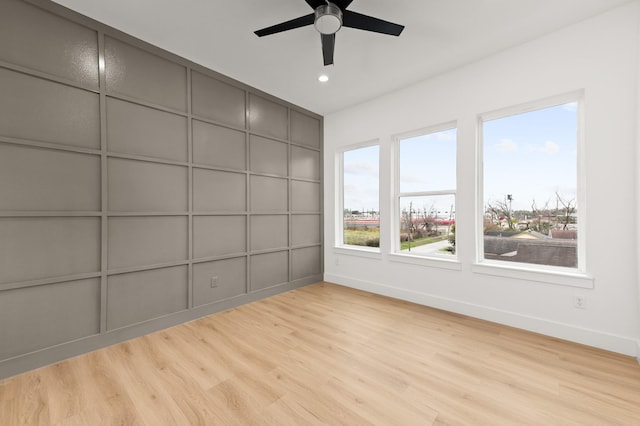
(214, 282)
(579, 302)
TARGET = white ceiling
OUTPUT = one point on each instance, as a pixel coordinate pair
(439, 35)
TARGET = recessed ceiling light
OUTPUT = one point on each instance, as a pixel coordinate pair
(323, 78)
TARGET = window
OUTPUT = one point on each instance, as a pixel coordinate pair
(360, 210)
(425, 193)
(530, 211)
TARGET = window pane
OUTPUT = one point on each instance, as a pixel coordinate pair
(428, 162)
(427, 225)
(361, 226)
(530, 187)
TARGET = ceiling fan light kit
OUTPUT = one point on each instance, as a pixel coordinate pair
(328, 18)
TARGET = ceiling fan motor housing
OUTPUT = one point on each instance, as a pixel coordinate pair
(328, 18)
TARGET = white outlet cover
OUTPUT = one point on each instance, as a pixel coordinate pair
(579, 302)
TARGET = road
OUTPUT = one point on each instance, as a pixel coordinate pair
(431, 249)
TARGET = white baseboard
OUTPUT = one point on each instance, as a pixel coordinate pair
(595, 338)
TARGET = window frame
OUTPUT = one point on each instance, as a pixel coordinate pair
(339, 201)
(576, 277)
(448, 261)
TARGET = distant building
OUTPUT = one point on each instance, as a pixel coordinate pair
(564, 234)
(531, 235)
(532, 247)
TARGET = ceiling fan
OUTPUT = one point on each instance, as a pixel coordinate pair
(328, 18)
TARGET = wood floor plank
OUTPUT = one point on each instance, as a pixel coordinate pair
(326, 354)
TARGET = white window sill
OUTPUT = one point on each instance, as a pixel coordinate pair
(561, 276)
(449, 262)
(361, 251)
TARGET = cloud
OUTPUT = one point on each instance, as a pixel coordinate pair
(361, 169)
(549, 147)
(350, 189)
(411, 178)
(506, 145)
(571, 107)
(446, 136)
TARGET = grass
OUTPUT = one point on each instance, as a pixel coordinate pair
(404, 245)
(371, 238)
(362, 238)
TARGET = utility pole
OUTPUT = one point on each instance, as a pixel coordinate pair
(510, 198)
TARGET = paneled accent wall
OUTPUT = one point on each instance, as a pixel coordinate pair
(138, 190)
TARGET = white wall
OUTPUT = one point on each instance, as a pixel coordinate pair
(599, 56)
(637, 213)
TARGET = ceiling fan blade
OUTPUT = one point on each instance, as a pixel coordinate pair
(342, 4)
(285, 26)
(315, 3)
(328, 46)
(369, 23)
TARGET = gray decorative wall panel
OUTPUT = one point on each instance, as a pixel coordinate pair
(219, 146)
(230, 277)
(140, 193)
(268, 156)
(36, 179)
(306, 262)
(305, 130)
(305, 196)
(142, 241)
(305, 229)
(217, 101)
(269, 194)
(219, 235)
(33, 248)
(141, 296)
(138, 186)
(48, 315)
(305, 163)
(142, 75)
(40, 110)
(267, 117)
(269, 232)
(45, 42)
(269, 269)
(139, 130)
(218, 191)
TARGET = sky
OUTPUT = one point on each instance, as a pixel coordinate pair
(361, 177)
(529, 156)
(428, 163)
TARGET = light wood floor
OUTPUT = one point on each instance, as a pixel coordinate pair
(326, 354)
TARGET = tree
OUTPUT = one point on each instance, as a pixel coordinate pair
(407, 221)
(499, 210)
(452, 239)
(568, 207)
(538, 224)
(428, 220)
